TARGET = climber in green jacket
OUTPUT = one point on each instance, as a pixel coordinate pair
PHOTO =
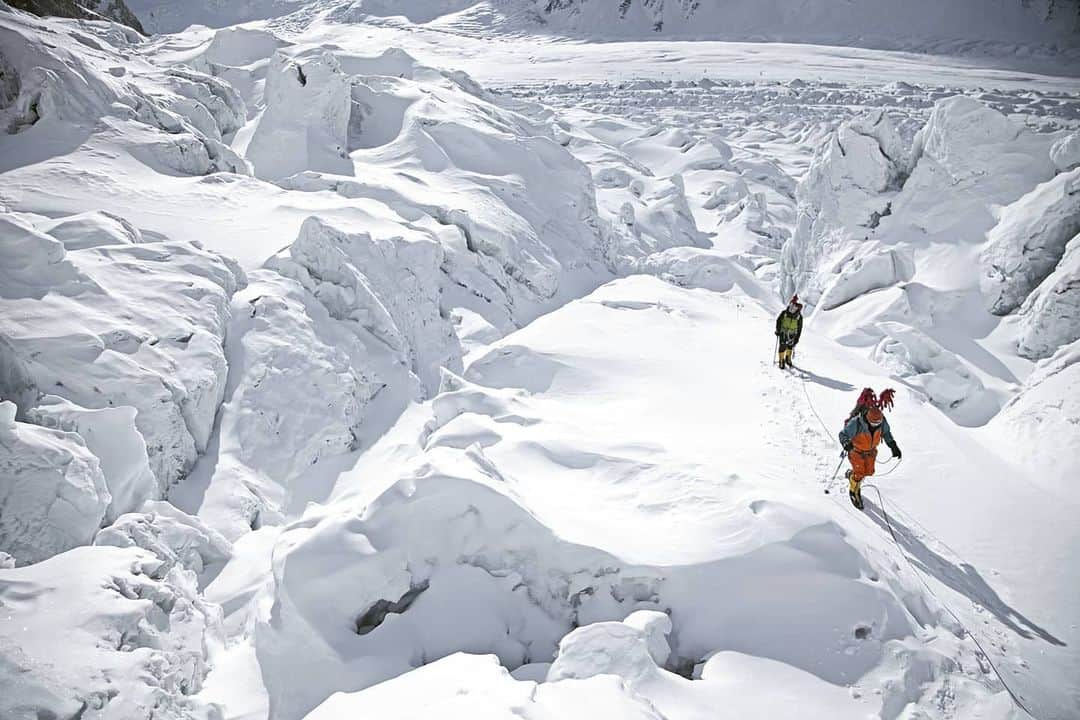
(789, 330)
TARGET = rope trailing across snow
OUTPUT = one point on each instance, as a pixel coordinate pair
(918, 573)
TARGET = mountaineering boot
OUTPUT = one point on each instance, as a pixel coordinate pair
(854, 490)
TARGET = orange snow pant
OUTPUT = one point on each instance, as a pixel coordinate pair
(862, 465)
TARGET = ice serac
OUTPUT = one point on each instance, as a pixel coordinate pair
(111, 435)
(624, 649)
(845, 194)
(302, 382)
(1065, 152)
(1028, 241)
(966, 160)
(123, 325)
(132, 636)
(54, 92)
(52, 492)
(1050, 317)
(441, 158)
(388, 289)
(306, 120)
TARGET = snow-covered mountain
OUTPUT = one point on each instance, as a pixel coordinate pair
(957, 26)
(89, 9)
(336, 382)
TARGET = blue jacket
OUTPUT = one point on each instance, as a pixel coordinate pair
(858, 426)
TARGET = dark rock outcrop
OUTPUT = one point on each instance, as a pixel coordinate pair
(114, 10)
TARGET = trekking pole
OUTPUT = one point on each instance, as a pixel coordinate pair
(776, 350)
(843, 456)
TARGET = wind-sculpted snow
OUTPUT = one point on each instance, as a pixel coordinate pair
(912, 356)
(103, 633)
(52, 492)
(1039, 423)
(137, 325)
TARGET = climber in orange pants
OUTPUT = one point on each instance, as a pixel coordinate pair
(860, 438)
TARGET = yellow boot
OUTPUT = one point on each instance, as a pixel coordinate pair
(854, 489)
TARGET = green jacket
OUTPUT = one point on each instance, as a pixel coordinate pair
(789, 326)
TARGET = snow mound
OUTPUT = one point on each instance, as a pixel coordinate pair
(1028, 241)
(123, 325)
(466, 687)
(91, 229)
(626, 649)
(656, 217)
(111, 436)
(694, 268)
(52, 493)
(1050, 317)
(133, 637)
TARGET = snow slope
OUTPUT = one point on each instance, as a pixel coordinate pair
(337, 383)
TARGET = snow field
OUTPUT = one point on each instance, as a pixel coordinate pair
(423, 420)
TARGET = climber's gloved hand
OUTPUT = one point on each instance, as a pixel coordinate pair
(896, 452)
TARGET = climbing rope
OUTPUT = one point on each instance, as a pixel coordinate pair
(810, 403)
(919, 574)
(900, 548)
